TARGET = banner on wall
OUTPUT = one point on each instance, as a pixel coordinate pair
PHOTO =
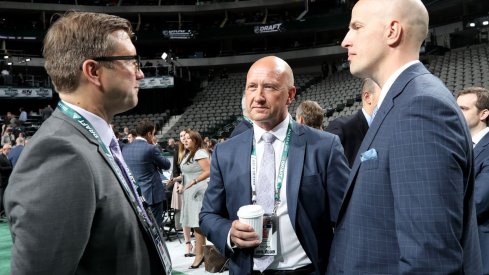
(156, 82)
(26, 93)
(179, 34)
(271, 28)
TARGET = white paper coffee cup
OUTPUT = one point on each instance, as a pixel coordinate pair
(252, 215)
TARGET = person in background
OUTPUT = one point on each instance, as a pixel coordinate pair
(8, 136)
(195, 171)
(310, 113)
(71, 203)
(145, 161)
(172, 146)
(5, 171)
(474, 103)
(409, 203)
(245, 123)
(16, 151)
(131, 136)
(22, 116)
(46, 112)
(352, 129)
(177, 196)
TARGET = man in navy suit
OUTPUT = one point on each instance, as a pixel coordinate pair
(145, 162)
(409, 206)
(307, 196)
(352, 129)
(474, 103)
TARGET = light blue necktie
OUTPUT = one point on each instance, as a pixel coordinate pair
(265, 189)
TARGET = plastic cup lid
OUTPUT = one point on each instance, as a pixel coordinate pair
(250, 211)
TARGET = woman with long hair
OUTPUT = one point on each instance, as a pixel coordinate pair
(195, 168)
(177, 197)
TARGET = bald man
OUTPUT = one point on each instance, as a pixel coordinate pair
(306, 192)
(408, 207)
(352, 129)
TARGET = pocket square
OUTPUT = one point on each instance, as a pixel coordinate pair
(368, 155)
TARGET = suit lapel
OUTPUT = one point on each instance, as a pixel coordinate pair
(92, 140)
(362, 122)
(396, 89)
(243, 156)
(481, 145)
(295, 164)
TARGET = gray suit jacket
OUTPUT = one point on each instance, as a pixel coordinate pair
(68, 212)
(409, 207)
(316, 177)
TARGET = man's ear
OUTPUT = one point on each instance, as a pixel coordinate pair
(483, 115)
(300, 120)
(394, 33)
(91, 71)
(292, 92)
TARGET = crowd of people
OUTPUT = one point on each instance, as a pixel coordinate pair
(405, 193)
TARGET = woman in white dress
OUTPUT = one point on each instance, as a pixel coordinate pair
(195, 168)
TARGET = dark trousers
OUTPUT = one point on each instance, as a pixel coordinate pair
(157, 210)
(2, 190)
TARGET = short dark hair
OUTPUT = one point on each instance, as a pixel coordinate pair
(482, 98)
(312, 113)
(144, 126)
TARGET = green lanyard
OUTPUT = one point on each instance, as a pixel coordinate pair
(281, 169)
(68, 111)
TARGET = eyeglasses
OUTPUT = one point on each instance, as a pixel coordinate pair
(136, 58)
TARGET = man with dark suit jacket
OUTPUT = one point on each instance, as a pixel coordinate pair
(146, 161)
(306, 193)
(351, 129)
(409, 205)
(245, 122)
(474, 103)
(71, 203)
(16, 150)
(5, 171)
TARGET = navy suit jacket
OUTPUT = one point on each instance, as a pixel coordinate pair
(351, 130)
(316, 177)
(481, 195)
(145, 160)
(242, 126)
(409, 208)
(14, 154)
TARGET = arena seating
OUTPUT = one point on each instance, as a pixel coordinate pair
(217, 108)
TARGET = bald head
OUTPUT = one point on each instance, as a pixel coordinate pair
(414, 17)
(269, 91)
(280, 68)
(370, 95)
(384, 35)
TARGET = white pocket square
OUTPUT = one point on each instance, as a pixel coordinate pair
(368, 155)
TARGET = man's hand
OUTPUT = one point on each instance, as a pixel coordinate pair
(242, 235)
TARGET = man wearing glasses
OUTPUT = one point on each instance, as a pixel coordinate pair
(72, 204)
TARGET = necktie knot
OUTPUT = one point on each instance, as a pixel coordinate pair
(268, 138)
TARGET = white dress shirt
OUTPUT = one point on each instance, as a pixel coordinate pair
(290, 254)
(101, 126)
(392, 79)
(477, 137)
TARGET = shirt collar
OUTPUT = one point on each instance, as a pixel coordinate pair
(477, 137)
(102, 128)
(141, 138)
(390, 81)
(279, 131)
(367, 116)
